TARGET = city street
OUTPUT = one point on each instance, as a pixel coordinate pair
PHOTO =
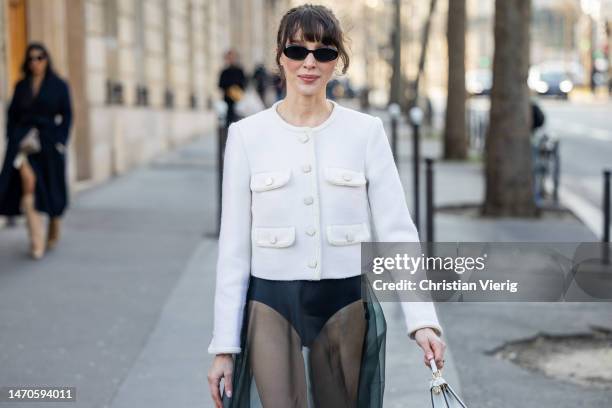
(585, 132)
(583, 127)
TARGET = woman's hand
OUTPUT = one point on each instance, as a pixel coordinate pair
(222, 367)
(432, 345)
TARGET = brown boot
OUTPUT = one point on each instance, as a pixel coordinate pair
(35, 226)
(53, 236)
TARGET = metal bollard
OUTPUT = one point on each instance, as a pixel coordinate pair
(221, 109)
(416, 174)
(416, 118)
(221, 140)
(606, 207)
(537, 184)
(429, 199)
(394, 138)
(556, 171)
(606, 218)
(394, 112)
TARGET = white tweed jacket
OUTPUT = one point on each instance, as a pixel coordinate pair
(297, 202)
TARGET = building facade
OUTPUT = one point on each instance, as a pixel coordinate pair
(143, 73)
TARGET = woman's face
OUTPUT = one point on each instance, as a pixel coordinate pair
(309, 76)
(37, 60)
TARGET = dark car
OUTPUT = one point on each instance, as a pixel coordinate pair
(550, 82)
(479, 82)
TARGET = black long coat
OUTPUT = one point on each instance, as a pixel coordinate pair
(51, 112)
(231, 75)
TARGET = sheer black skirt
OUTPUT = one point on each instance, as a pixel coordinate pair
(310, 344)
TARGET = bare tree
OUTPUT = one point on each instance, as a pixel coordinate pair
(509, 186)
(455, 138)
(396, 42)
(414, 97)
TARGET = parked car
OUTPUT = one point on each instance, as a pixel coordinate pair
(550, 82)
(479, 82)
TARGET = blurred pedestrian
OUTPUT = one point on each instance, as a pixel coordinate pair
(537, 116)
(33, 177)
(279, 87)
(260, 77)
(332, 88)
(302, 178)
(594, 75)
(232, 81)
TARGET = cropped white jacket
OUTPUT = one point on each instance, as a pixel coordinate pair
(297, 202)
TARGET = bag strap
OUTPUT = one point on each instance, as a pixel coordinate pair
(437, 382)
(434, 368)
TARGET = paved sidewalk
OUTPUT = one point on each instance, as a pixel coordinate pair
(82, 316)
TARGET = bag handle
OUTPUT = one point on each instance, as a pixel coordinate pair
(437, 382)
(434, 368)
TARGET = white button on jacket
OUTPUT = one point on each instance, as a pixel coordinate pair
(281, 183)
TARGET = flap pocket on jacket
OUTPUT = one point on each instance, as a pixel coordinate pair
(270, 180)
(347, 234)
(273, 237)
(344, 177)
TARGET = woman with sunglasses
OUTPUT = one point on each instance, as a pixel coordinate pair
(34, 181)
(292, 326)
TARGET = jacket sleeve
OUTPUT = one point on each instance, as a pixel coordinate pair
(223, 80)
(65, 109)
(12, 114)
(391, 218)
(234, 259)
(10, 119)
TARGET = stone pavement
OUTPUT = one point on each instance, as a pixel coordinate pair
(122, 309)
(83, 315)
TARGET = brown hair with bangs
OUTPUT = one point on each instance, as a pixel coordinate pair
(317, 24)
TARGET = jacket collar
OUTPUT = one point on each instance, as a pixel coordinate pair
(289, 126)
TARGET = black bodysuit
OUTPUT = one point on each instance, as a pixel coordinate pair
(309, 344)
(307, 305)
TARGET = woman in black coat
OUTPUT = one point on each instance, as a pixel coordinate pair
(37, 182)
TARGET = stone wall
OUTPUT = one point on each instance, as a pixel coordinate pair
(4, 91)
(143, 73)
(159, 47)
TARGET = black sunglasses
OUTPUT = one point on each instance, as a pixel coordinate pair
(299, 53)
(37, 58)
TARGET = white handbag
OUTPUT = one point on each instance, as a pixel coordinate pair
(28, 145)
(442, 395)
(249, 104)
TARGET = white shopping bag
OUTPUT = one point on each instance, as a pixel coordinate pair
(249, 104)
(442, 395)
